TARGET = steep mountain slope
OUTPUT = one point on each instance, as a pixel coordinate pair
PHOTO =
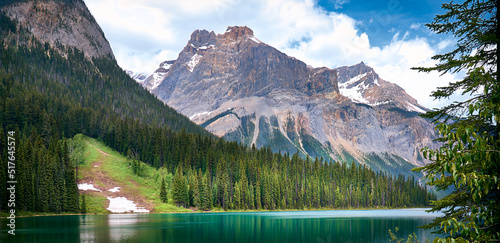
(84, 69)
(245, 90)
(61, 24)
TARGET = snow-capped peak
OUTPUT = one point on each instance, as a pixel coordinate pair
(138, 77)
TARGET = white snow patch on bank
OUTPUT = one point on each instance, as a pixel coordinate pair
(116, 189)
(86, 187)
(123, 205)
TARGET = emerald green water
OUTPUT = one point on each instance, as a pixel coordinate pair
(300, 226)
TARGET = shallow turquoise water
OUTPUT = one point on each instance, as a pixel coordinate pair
(299, 226)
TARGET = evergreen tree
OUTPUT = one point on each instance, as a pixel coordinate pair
(237, 196)
(83, 208)
(163, 191)
(469, 159)
(179, 187)
(258, 201)
(206, 199)
(196, 191)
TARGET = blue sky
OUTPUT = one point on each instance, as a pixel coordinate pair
(388, 35)
(383, 16)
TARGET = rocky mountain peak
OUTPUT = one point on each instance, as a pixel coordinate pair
(66, 23)
(200, 38)
(235, 33)
(242, 89)
(346, 73)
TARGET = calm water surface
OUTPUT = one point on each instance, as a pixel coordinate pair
(300, 226)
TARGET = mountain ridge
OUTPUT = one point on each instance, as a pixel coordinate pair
(61, 24)
(245, 90)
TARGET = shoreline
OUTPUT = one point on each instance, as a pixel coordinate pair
(5, 215)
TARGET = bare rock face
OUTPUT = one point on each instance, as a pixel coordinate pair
(69, 24)
(245, 90)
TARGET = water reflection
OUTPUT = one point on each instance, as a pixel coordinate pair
(305, 226)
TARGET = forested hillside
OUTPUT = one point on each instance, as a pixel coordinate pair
(48, 98)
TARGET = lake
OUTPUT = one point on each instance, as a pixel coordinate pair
(296, 226)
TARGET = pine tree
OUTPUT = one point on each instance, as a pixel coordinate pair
(179, 188)
(206, 197)
(469, 158)
(237, 196)
(226, 196)
(83, 208)
(196, 191)
(163, 191)
(258, 201)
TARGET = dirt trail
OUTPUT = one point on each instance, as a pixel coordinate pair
(101, 180)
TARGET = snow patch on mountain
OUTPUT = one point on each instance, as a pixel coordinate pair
(166, 65)
(412, 107)
(355, 93)
(255, 39)
(157, 79)
(138, 77)
(206, 47)
(205, 113)
(195, 59)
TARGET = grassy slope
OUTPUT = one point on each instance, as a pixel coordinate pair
(113, 171)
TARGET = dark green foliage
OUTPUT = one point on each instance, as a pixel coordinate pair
(6, 24)
(137, 167)
(469, 159)
(245, 178)
(179, 192)
(83, 209)
(163, 191)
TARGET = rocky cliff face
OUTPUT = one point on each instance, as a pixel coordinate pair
(242, 89)
(59, 23)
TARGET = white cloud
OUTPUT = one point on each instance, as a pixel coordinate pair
(339, 3)
(144, 33)
(415, 26)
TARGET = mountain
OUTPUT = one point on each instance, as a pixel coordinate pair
(67, 24)
(138, 77)
(242, 89)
